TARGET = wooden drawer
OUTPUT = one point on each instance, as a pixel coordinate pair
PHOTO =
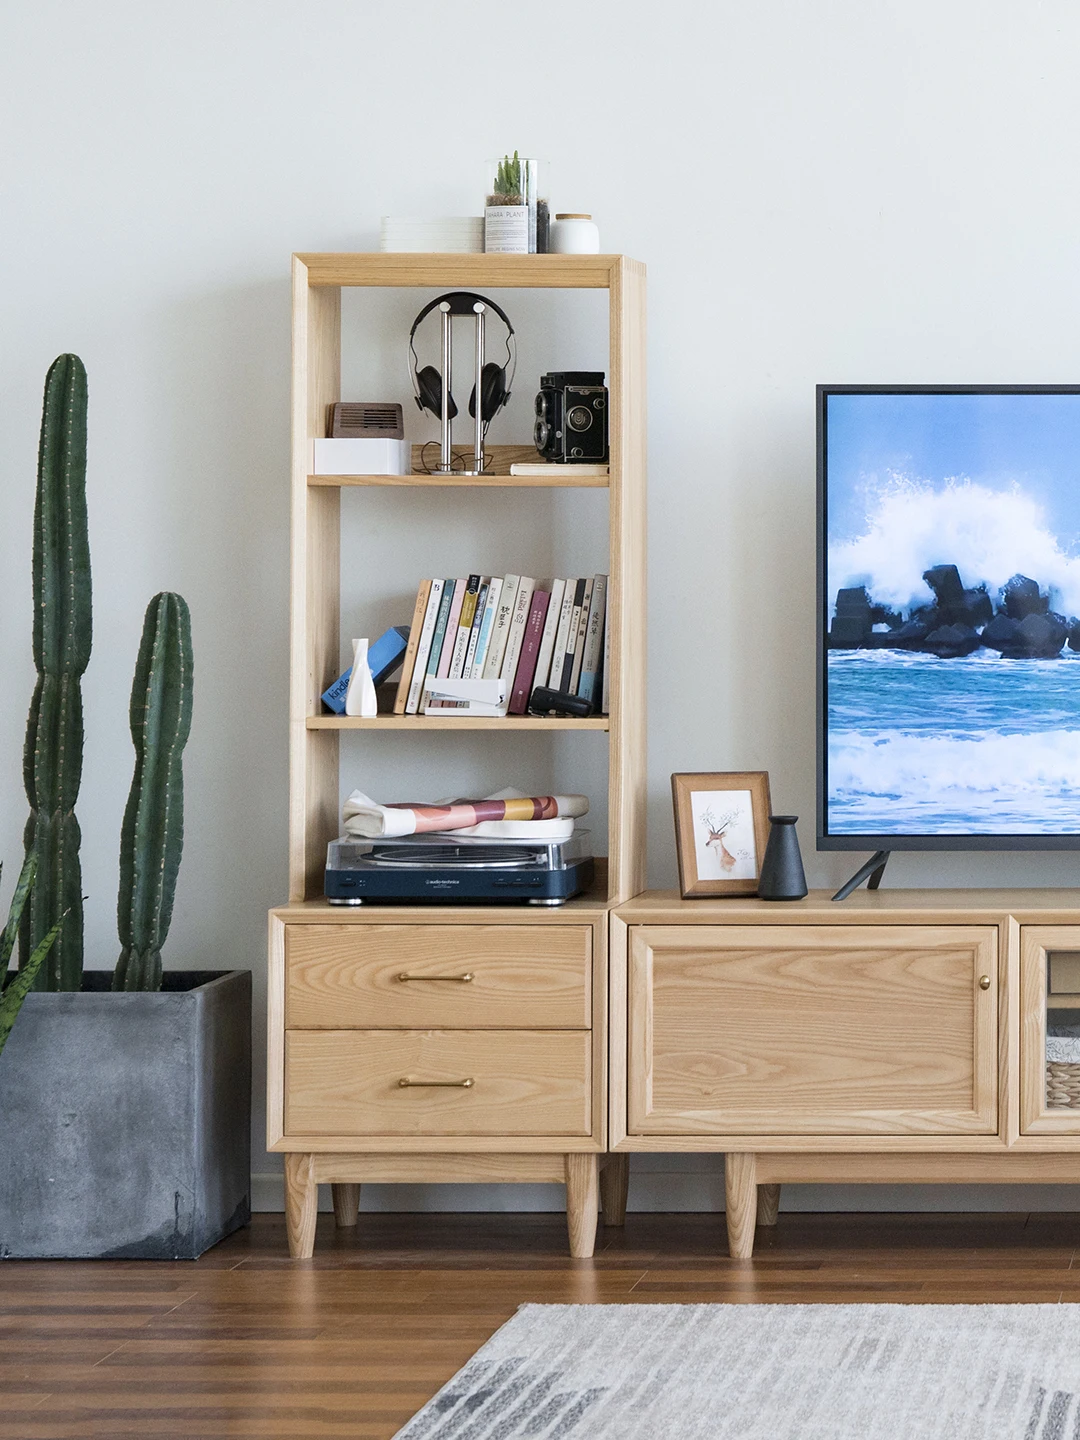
(347, 1082)
(785, 1029)
(537, 976)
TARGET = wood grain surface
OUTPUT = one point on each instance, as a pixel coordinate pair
(245, 1343)
(812, 1030)
(524, 1082)
(521, 976)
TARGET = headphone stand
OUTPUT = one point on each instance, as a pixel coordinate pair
(446, 444)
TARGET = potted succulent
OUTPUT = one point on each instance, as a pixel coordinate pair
(124, 1096)
(515, 218)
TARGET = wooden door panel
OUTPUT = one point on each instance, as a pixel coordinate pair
(804, 1030)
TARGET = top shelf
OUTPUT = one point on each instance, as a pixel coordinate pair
(539, 272)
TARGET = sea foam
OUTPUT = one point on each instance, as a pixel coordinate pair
(985, 783)
(990, 535)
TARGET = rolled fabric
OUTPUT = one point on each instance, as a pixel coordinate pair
(369, 821)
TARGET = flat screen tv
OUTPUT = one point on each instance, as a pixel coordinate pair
(948, 597)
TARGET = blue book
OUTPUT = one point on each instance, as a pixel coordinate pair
(384, 656)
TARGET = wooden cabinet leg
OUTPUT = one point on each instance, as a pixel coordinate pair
(301, 1205)
(768, 1204)
(346, 1204)
(740, 1189)
(614, 1182)
(582, 1201)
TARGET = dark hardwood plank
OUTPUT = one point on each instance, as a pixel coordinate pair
(245, 1342)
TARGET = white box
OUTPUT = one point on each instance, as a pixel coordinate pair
(362, 457)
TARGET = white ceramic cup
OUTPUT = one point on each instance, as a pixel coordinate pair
(574, 235)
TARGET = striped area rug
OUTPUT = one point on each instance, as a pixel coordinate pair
(768, 1372)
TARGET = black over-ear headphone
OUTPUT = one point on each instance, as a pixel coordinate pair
(494, 381)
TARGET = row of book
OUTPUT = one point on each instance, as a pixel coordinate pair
(524, 632)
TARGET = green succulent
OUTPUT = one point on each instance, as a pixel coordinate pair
(15, 985)
(508, 177)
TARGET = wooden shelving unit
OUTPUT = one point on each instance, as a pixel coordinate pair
(502, 1076)
(316, 633)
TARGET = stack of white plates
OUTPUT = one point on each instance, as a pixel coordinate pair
(456, 235)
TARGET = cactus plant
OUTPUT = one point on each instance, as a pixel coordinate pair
(15, 986)
(507, 187)
(52, 762)
(152, 836)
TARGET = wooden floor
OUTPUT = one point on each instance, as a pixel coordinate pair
(245, 1342)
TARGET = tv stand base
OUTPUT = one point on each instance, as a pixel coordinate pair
(871, 872)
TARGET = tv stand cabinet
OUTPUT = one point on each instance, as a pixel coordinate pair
(899, 1038)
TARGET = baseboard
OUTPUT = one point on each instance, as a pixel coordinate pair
(687, 1185)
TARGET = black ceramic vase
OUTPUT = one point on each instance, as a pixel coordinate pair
(782, 875)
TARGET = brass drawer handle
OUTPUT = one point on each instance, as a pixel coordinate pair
(984, 982)
(465, 979)
(405, 1083)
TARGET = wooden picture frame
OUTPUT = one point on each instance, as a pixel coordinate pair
(705, 821)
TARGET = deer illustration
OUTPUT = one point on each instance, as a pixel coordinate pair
(717, 830)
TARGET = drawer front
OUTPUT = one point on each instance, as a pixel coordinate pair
(812, 1030)
(348, 1082)
(534, 976)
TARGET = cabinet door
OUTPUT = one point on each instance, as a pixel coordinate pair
(805, 1030)
(1050, 1029)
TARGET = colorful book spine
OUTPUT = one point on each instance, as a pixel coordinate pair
(516, 637)
(571, 640)
(559, 649)
(579, 643)
(465, 619)
(505, 613)
(423, 649)
(547, 640)
(605, 703)
(478, 620)
(451, 629)
(480, 658)
(438, 637)
(594, 643)
(530, 652)
(419, 610)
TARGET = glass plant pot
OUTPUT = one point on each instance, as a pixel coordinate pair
(516, 218)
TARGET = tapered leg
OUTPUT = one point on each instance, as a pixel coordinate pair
(768, 1204)
(614, 1181)
(740, 1188)
(346, 1204)
(582, 1200)
(301, 1205)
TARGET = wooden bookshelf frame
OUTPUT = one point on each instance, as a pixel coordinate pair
(315, 634)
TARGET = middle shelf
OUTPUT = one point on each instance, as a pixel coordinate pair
(450, 722)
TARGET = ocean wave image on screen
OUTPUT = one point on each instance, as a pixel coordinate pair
(953, 643)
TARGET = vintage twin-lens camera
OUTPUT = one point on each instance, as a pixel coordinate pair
(571, 417)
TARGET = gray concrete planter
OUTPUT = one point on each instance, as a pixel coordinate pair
(125, 1120)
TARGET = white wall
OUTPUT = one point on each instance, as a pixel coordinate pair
(854, 190)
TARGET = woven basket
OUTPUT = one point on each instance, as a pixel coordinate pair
(1062, 1085)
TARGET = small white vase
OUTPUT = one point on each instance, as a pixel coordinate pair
(360, 696)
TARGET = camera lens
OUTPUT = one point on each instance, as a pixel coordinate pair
(579, 418)
(541, 405)
(540, 434)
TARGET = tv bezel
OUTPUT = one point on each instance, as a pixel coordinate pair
(867, 840)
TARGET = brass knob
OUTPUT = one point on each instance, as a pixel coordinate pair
(984, 982)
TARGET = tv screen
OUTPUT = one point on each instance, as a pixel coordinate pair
(948, 597)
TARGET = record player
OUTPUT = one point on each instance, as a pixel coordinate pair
(450, 869)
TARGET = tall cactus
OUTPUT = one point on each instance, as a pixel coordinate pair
(152, 837)
(52, 761)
